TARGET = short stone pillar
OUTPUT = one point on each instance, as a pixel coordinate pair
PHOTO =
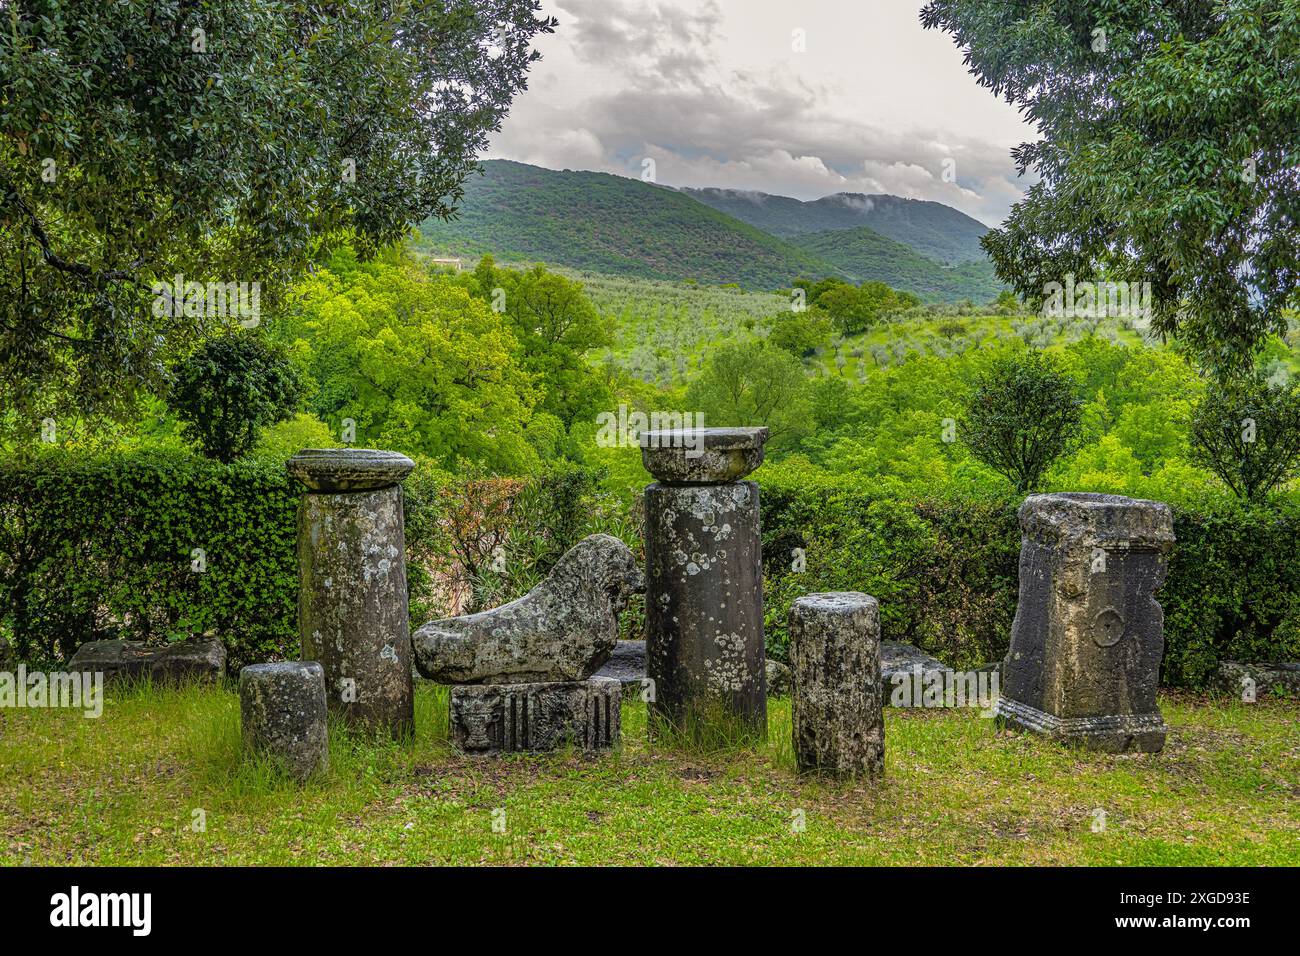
(537, 717)
(282, 711)
(704, 585)
(837, 705)
(1088, 636)
(352, 599)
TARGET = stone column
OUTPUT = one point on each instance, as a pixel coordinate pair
(1088, 637)
(837, 706)
(352, 600)
(282, 712)
(704, 584)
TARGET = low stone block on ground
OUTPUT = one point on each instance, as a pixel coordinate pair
(185, 662)
(282, 713)
(536, 717)
(1257, 681)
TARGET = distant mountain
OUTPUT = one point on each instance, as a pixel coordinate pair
(934, 230)
(863, 254)
(611, 224)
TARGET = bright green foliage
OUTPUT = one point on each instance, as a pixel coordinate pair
(228, 389)
(1167, 154)
(415, 361)
(220, 141)
(556, 325)
(754, 385)
(1247, 431)
(1023, 414)
(855, 309)
(801, 333)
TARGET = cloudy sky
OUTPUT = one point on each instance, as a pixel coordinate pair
(716, 93)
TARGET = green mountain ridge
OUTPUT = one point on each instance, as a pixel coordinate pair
(936, 231)
(863, 254)
(610, 224)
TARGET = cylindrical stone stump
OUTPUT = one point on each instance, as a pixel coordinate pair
(704, 586)
(352, 597)
(837, 704)
(1088, 638)
(283, 714)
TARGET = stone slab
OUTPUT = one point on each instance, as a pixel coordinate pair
(702, 455)
(185, 662)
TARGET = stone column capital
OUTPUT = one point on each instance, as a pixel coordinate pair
(702, 456)
(334, 470)
(1087, 520)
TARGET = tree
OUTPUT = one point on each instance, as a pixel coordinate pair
(1023, 414)
(1167, 155)
(556, 325)
(221, 141)
(228, 389)
(754, 384)
(801, 333)
(416, 362)
(1247, 431)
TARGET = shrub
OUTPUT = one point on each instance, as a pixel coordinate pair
(228, 389)
(1023, 415)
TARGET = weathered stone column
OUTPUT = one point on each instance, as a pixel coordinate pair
(837, 706)
(1088, 637)
(352, 600)
(704, 585)
(282, 712)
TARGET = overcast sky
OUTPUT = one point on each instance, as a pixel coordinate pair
(716, 94)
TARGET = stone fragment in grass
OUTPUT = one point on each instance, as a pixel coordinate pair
(536, 717)
(283, 714)
(837, 708)
(1257, 681)
(198, 661)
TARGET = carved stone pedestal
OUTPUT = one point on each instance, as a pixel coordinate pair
(1088, 638)
(512, 718)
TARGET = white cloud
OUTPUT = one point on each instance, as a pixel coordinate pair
(716, 95)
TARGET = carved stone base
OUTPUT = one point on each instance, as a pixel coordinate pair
(510, 718)
(1111, 734)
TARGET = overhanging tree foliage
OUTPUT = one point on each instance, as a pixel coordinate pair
(1169, 154)
(222, 141)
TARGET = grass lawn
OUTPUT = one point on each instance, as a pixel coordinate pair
(125, 788)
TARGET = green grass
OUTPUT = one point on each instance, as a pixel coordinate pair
(123, 789)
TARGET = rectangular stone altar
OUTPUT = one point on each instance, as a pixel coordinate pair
(513, 718)
(1087, 641)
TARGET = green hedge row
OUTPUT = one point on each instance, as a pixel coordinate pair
(97, 547)
(945, 572)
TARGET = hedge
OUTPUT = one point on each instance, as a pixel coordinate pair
(946, 573)
(97, 547)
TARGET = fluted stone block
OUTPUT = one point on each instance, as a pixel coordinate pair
(704, 597)
(536, 717)
(352, 599)
(1088, 636)
(837, 705)
(283, 714)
